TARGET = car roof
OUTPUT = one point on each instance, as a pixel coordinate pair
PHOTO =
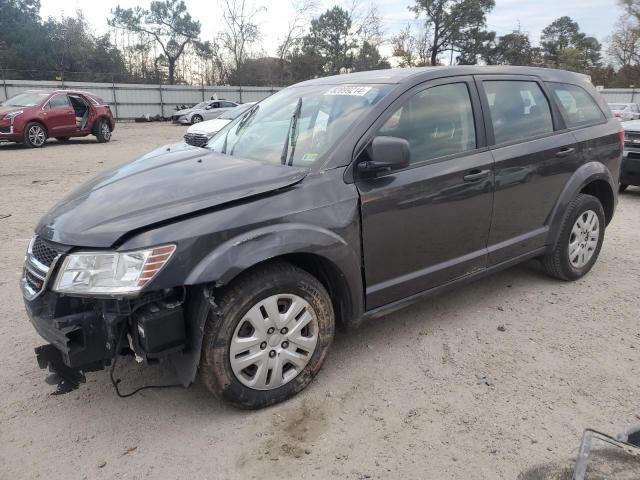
(62, 90)
(410, 75)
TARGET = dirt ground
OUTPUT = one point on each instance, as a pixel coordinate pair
(436, 391)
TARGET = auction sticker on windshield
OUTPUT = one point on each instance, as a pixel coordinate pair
(354, 90)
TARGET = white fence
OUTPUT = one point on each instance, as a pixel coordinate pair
(129, 100)
(621, 95)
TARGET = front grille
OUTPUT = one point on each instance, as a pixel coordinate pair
(40, 261)
(43, 252)
(196, 139)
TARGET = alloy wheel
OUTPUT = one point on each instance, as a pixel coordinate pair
(106, 131)
(36, 134)
(584, 237)
(273, 342)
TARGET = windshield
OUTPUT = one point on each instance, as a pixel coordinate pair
(25, 100)
(235, 112)
(326, 112)
(617, 106)
(200, 105)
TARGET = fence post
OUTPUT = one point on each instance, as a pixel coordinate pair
(161, 101)
(4, 83)
(240, 91)
(115, 98)
(202, 88)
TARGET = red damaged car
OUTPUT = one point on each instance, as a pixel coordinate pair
(33, 116)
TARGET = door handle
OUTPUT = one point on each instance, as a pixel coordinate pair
(565, 152)
(475, 174)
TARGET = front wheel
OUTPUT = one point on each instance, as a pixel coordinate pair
(580, 241)
(35, 135)
(268, 338)
(196, 119)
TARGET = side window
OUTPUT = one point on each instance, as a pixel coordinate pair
(518, 110)
(436, 122)
(228, 104)
(58, 101)
(577, 106)
(214, 105)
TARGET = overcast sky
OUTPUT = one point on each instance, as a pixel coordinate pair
(595, 17)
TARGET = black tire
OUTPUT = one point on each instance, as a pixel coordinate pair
(623, 187)
(102, 131)
(557, 262)
(196, 119)
(35, 135)
(62, 139)
(233, 304)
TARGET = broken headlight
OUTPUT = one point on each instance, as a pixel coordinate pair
(111, 273)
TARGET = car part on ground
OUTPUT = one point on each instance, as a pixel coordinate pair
(298, 203)
(628, 442)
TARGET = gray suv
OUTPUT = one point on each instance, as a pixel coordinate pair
(333, 201)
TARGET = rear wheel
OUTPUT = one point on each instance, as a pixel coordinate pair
(580, 241)
(102, 131)
(269, 337)
(35, 135)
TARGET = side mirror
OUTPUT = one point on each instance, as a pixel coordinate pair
(387, 154)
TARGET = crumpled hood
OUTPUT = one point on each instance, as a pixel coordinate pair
(166, 183)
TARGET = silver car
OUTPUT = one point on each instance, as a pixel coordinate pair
(206, 110)
(625, 111)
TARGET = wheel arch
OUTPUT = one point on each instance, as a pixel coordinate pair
(98, 119)
(319, 251)
(592, 178)
(36, 120)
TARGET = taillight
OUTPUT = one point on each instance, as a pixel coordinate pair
(621, 137)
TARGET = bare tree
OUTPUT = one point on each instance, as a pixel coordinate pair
(241, 30)
(624, 43)
(296, 28)
(168, 22)
(412, 49)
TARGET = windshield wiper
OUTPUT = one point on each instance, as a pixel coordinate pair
(291, 136)
(246, 117)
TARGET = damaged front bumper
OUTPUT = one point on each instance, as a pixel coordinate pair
(83, 333)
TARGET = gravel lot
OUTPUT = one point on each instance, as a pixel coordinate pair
(436, 391)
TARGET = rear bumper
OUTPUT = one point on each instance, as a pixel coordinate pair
(630, 170)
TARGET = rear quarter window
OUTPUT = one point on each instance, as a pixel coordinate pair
(577, 106)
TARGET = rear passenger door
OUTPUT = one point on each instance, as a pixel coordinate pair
(427, 224)
(534, 157)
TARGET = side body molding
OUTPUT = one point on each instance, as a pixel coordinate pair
(583, 176)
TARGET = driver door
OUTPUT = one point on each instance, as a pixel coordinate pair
(212, 110)
(428, 224)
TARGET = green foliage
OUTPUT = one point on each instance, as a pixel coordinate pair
(66, 48)
(330, 38)
(511, 49)
(454, 23)
(565, 46)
